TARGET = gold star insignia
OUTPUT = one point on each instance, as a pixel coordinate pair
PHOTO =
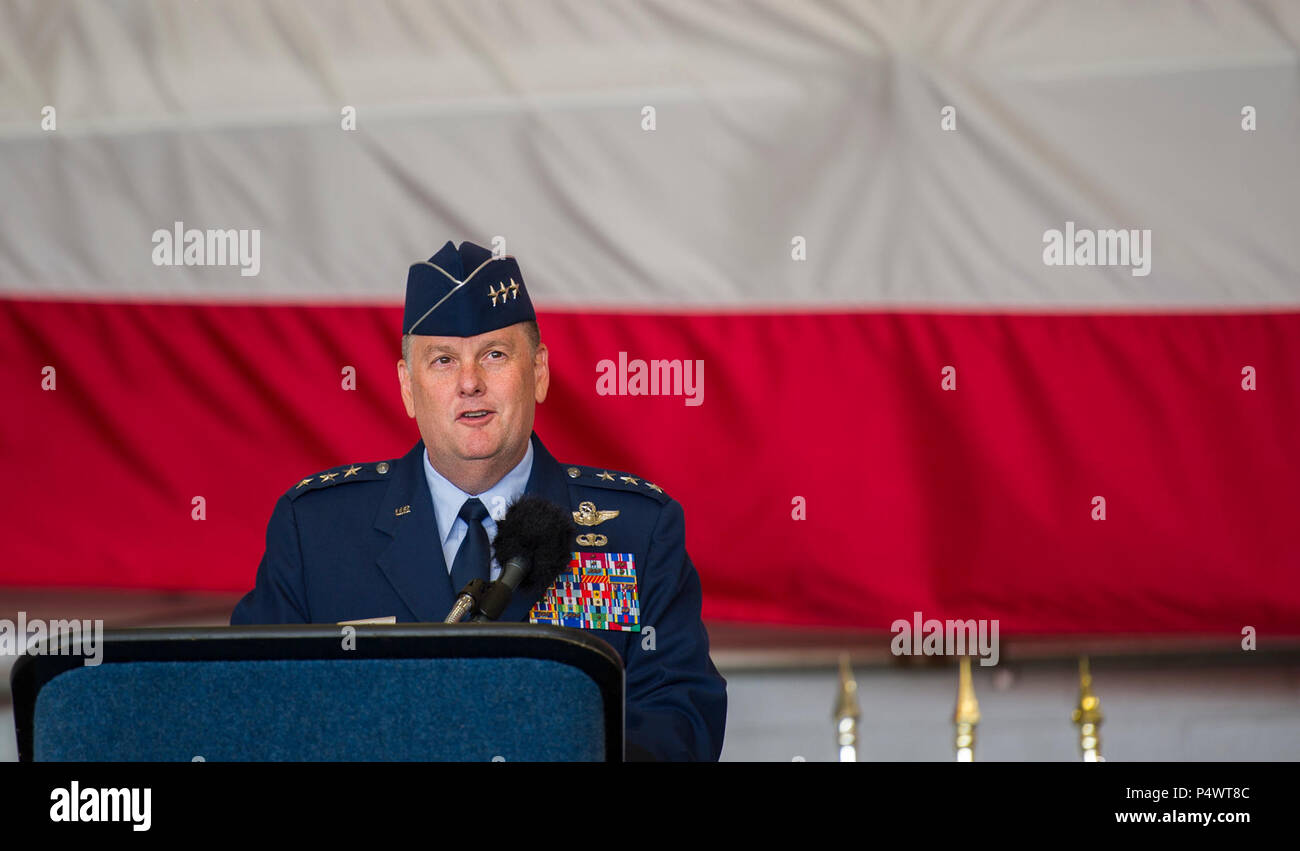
(328, 477)
(351, 471)
(631, 480)
(303, 483)
(654, 487)
(604, 475)
(514, 289)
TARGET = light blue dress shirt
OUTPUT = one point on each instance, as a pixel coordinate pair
(447, 500)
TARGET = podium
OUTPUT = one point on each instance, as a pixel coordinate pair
(400, 692)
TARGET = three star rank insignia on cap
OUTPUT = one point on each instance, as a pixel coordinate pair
(504, 292)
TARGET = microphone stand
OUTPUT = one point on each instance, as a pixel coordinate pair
(467, 601)
(498, 594)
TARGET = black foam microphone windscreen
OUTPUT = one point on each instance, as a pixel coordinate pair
(539, 532)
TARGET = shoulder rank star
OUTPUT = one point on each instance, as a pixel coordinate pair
(588, 515)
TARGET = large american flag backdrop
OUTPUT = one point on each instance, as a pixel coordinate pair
(838, 218)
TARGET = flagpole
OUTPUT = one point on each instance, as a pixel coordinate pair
(967, 714)
(1088, 716)
(847, 713)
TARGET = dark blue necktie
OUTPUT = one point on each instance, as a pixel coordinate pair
(475, 555)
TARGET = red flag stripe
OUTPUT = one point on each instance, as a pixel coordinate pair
(970, 503)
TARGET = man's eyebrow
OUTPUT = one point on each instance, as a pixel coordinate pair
(494, 343)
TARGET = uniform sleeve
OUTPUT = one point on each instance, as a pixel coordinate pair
(279, 595)
(676, 699)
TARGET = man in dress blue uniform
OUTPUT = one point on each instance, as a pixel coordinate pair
(396, 539)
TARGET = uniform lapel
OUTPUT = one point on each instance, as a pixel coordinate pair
(413, 561)
(547, 480)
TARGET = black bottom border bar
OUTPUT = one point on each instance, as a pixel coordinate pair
(1217, 799)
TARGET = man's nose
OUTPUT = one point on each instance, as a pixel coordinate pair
(471, 379)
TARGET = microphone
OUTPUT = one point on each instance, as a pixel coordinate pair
(532, 547)
(467, 601)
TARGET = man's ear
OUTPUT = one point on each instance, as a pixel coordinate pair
(541, 373)
(404, 379)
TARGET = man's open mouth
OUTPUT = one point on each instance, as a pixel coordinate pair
(474, 415)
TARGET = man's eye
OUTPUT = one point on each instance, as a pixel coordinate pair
(442, 359)
(496, 354)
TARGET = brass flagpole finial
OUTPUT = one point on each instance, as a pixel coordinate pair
(1088, 716)
(967, 714)
(847, 713)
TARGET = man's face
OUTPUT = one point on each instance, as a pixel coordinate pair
(474, 397)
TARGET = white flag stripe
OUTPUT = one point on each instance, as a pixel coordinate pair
(802, 123)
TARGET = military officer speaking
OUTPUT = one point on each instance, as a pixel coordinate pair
(396, 539)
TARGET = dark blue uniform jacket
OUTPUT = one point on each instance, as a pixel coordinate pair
(361, 541)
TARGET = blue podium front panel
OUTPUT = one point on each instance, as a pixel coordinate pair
(322, 710)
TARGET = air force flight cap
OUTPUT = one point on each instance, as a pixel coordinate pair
(464, 292)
